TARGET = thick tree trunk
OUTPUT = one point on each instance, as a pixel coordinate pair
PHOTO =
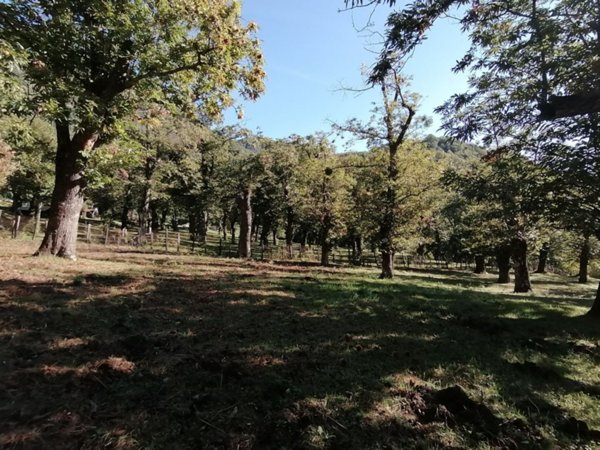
(519, 256)
(595, 311)
(357, 249)
(543, 260)
(503, 261)
(245, 205)
(387, 264)
(584, 259)
(479, 264)
(60, 238)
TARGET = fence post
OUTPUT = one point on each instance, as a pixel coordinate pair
(107, 234)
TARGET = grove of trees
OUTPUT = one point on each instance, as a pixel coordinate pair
(117, 105)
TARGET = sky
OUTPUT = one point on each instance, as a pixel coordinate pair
(313, 51)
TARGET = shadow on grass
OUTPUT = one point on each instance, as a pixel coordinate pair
(253, 359)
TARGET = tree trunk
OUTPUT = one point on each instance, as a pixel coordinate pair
(245, 204)
(16, 203)
(289, 238)
(274, 235)
(303, 242)
(203, 226)
(503, 261)
(325, 247)
(60, 238)
(519, 256)
(265, 230)
(232, 231)
(224, 227)
(154, 218)
(125, 213)
(584, 259)
(479, 264)
(387, 264)
(388, 223)
(143, 215)
(289, 228)
(541, 268)
(38, 218)
(595, 311)
(356, 249)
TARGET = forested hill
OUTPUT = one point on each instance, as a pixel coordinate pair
(449, 146)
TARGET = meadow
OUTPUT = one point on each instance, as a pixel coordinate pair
(129, 349)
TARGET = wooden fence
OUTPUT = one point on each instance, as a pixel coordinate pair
(93, 231)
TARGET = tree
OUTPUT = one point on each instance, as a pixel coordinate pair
(512, 194)
(318, 192)
(389, 127)
(30, 168)
(89, 63)
(562, 53)
(6, 162)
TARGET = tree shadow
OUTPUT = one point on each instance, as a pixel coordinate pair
(253, 359)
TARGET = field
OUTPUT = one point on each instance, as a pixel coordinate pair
(128, 350)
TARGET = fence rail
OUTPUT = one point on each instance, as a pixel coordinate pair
(93, 231)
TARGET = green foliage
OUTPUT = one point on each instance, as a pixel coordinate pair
(91, 62)
(504, 198)
(29, 147)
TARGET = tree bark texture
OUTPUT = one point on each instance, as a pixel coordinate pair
(503, 261)
(519, 257)
(389, 218)
(479, 264)
(584, 259)
(60, 238)
(543, 260)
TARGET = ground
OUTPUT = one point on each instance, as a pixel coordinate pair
(131, 350)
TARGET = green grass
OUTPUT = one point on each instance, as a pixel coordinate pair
(135, 350)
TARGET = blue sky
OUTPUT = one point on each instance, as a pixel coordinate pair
(312, 51)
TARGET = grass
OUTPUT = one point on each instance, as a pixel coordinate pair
(134, 350)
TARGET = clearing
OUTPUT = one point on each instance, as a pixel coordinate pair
(134, 350)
